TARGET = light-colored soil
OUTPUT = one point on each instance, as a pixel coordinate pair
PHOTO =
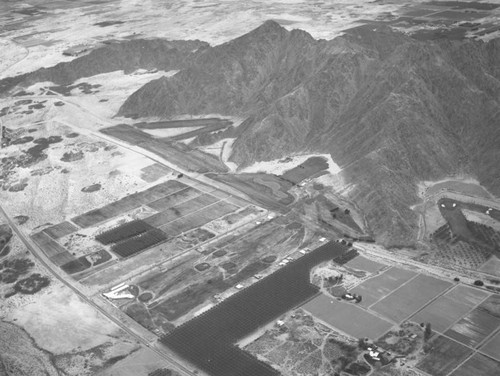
(279, 166)
(56, 313)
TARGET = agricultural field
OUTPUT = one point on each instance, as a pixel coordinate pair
(381, 285)
(411, 296)
(444, 355)
(450, 307)
(473, 328)
(310, 168)
(478, 364)
(268, 190)
(177, 153)
(347, 317)
(491, 347)
(208, 339)
(135, 223)
(302, 346)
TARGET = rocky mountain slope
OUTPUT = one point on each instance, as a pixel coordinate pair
(391, 110)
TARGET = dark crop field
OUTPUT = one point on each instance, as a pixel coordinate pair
(183, 123)
(492, 347)
(177, 153)
(208, 340)
(125, 231)
(139, 243)
(127, 203)
(60, 230)
(444, 356)
(309, 168)
(478, 324)
(47, 244)
(478, 364)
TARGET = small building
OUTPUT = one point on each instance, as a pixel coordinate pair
(239, 286)
(280, 323)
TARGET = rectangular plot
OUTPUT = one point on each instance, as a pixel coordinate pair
(442, 313)
(450, 307)
(410, 297)
(347, 317)
(127, 203)
(179, 211)
(123, 232)
(160, 190)
(49, 246)
(139, 243)
(478, 364)
(362, 263)
(174, 198)
(445, 355)
(377, 287)
(198, 219)
(474, 327)
(62, 258)
(107, 212)
(492, 347)
(60, 230)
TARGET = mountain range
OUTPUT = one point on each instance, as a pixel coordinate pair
(391, 110)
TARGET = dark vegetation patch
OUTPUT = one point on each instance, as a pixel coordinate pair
(71, 156)
(11, 270)
(32, 284)
(139, 243)
(443, 355)
(219, 253)
(76, 266)
(18, 187)
(22, 140)
(108, 23)
(346, 257)
(5, 251)
(203, 266)
(145, 297)
(72, 135)
(32, 11)
(183, 123)
(5, 234)
(305, 170)
(229, 267)
(91, 188)
(59, 104)
(463, 5)
(84, 88)
(208, 340)
(123, 232)
(21, 219)
(269, 259)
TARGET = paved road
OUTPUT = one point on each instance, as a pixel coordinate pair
(40, 256)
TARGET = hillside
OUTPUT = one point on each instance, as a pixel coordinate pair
(130, 55)
(391, 110)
